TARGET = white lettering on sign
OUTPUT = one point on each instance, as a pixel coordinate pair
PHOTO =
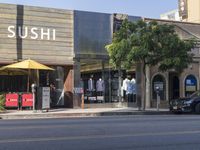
(33, 33)
(11, 31)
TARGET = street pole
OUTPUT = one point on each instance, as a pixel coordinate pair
(33, 87)
(158, 97)
(82, 101)
(33, 101)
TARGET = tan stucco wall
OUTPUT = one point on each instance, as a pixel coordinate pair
(193, 69)
(193, 11)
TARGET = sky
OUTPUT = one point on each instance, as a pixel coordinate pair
(144, 8)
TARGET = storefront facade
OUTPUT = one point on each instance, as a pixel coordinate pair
(44, 35)
(173, 84)
(92, 32)
(73, 43)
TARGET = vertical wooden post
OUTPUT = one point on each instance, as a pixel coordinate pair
(82, 101)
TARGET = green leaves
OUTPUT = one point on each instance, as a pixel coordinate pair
(151, 44)
(2, 102)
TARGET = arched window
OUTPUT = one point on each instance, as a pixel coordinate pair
(190, 85)
(159, 81)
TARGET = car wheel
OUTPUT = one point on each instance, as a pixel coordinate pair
(197, 108)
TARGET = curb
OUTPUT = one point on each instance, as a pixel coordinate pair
(71, 115)
(137, 113)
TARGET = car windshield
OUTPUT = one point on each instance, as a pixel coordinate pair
(195, 94)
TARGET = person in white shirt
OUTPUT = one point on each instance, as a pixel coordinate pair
(126, 81)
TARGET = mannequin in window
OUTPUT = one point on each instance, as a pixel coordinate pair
(100, 87)
(133, 82)
(91, 84)
(129, 90)
(81, 83)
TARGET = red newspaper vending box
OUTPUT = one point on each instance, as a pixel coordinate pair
(12, 100)
(27, 100)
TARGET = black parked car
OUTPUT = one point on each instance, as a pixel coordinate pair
(188, 104)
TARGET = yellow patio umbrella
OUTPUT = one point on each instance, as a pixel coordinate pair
(27, 64)
(12, 72)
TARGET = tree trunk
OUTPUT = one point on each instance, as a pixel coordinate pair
(148, 88)
(139, 85)
(144, 91)
(119, 86)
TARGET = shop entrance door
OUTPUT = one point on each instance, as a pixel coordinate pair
(174, 88)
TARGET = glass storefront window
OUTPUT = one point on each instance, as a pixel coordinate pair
(95, 81)
(54, 79)
(15, 83)
(100, 82)
(190, 85)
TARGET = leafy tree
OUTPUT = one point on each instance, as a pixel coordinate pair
(150, 44)
(119, 48)
(2, 102)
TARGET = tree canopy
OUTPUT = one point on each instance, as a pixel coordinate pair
(149, 43)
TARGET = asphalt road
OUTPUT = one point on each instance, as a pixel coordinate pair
(172, 132)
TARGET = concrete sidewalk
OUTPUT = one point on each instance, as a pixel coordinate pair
(90, 112)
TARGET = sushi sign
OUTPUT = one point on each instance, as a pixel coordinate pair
(31, 33)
